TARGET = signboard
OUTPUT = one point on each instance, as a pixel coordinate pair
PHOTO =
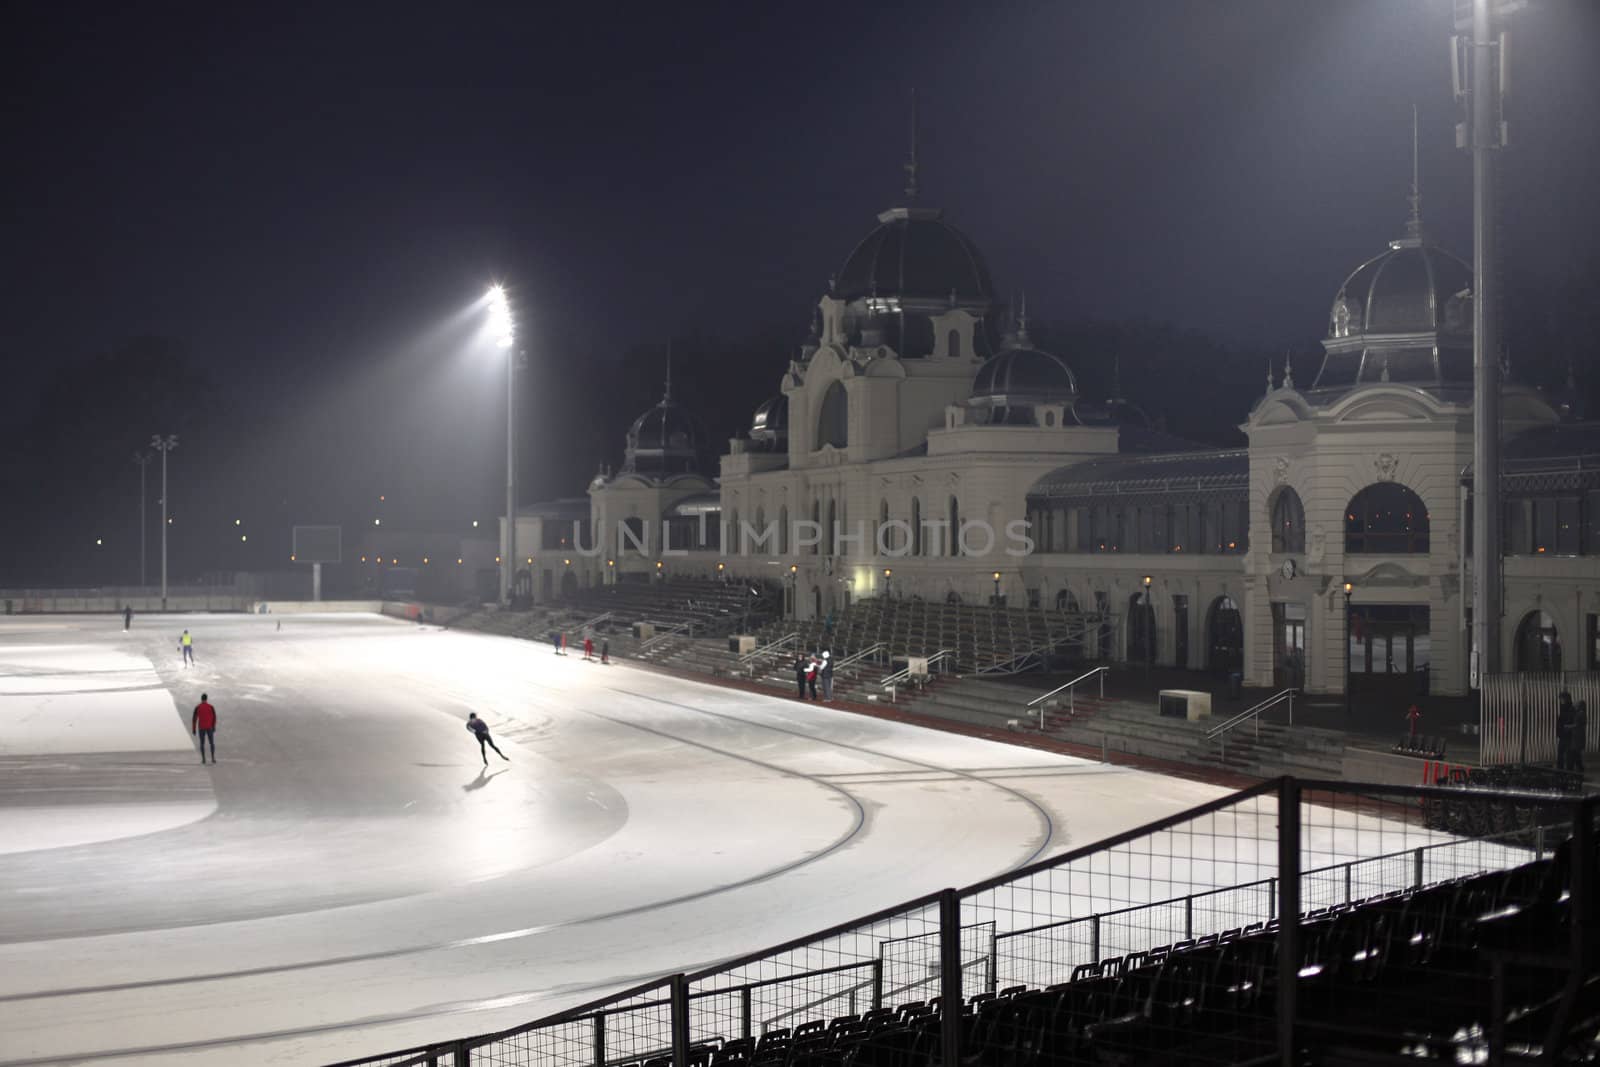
(316, 544)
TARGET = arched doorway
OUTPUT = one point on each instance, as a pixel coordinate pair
(1141, 629)
(1224, 636)
(569, 583)
(545, 585)
(1538, 645)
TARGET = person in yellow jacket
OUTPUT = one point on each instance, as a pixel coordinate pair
(186, 646)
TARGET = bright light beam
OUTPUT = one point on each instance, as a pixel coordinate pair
(500, 325)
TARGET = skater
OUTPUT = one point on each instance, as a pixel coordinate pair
(203, 724)
(563, 643)
(186, 646)
(1565, 713)
(588, 648)
(605, 650)
(480, 730)
(813, 673)
(555, 639)
(800, 674)
(127, 619)
(1412, 717)
(827, 675)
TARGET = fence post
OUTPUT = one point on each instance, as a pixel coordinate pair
(599, 1039)
(1347, 883)
(877, 983)
(1094, 938)
(949, 976)
(744, 1013)
(1188, 916)
(1288, 916)
(461, 1055)
(680, 1021)
(1416, 873)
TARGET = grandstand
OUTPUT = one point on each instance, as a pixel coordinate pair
(1295, 922)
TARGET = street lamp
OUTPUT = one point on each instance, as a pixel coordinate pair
(143, 460)
(1347, 653)
(996, 588)
(164, 443)
(888, 583)
(503, 328)
(1148, 624)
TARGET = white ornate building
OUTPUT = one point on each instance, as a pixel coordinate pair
(919, 444)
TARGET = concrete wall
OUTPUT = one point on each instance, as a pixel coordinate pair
(301, 607)
(60, 605)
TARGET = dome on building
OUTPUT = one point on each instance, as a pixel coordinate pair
(914, 253)
(1402, 316)
(769, 427)
(1018, 378)
(664, 440)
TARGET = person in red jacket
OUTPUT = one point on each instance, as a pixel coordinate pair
(203, 723)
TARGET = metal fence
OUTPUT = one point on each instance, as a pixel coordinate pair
(1210, 886)
(1517, 714)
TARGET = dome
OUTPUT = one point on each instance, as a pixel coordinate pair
(1028, 375)
(914, 253)
(1402, 316)
(664, 440)
(770, 424)
(1407, 289)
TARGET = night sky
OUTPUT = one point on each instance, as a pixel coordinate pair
(304, 202)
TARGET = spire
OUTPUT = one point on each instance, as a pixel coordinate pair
(1414, 222)
(666, 397)
(1269, 377)
(911, 164)
(1288, 371)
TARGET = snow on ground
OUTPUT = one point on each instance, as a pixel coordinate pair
(368, 883)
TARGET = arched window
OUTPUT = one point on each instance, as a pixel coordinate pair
(1538, 644)
(1288, 522)
(952, 344)
(952, 545)
(1141, 628)
(1386, 519)
(833, 425)
(916, 526)
(1224, 636)
(1066, 602)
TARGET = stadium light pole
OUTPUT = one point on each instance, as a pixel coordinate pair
(1349, 657)
(164, 443)
(504, 329)
(143, 460)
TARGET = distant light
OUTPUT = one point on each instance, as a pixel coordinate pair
(497, 559)
(236, 522)
(530, 559)
(244, 537)
(474, 524)
(458, 563)
(98, 541)
(291, 559)
(363, 559)
(424, 559)
(377, 522)
(382, 497)
(395, 562)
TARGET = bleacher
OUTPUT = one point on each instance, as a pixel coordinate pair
(1410, 944)
(702, 607)
(982, 638)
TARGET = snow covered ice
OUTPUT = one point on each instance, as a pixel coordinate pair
(350, 878)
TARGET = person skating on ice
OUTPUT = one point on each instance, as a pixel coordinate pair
(480, 730)
(800, 674)
(127, 619)
(186, 646)
(827, 676)
(203, 724)
(605, 650)
(588, 647)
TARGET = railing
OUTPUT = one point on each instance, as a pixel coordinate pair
(875, 653)
(938, 663)
(1275, 869)
(1069, 690)
(683, 629)
(749, 659)
(588, 627)
(1518, 713)
(1253, 715)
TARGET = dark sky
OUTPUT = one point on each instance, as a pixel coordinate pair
(304, 196)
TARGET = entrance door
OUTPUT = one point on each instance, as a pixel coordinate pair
(1289, 646)
(1390, 653)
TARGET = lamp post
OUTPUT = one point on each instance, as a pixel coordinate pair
(1347, 654)
(888, 584)
(164, 443)
(1147, 624)
(143, 460)
(504, 329)
(996, 577)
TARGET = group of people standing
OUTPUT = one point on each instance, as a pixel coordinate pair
(1572, 732)
(812, 668)
(559, 640)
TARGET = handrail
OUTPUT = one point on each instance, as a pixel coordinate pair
(857, 657)
(677, 631)
(1254, 712)
(1102, 671)
(590, 625)
(768, 648)
(892, 682)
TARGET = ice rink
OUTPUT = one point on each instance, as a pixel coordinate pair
(350, 878)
